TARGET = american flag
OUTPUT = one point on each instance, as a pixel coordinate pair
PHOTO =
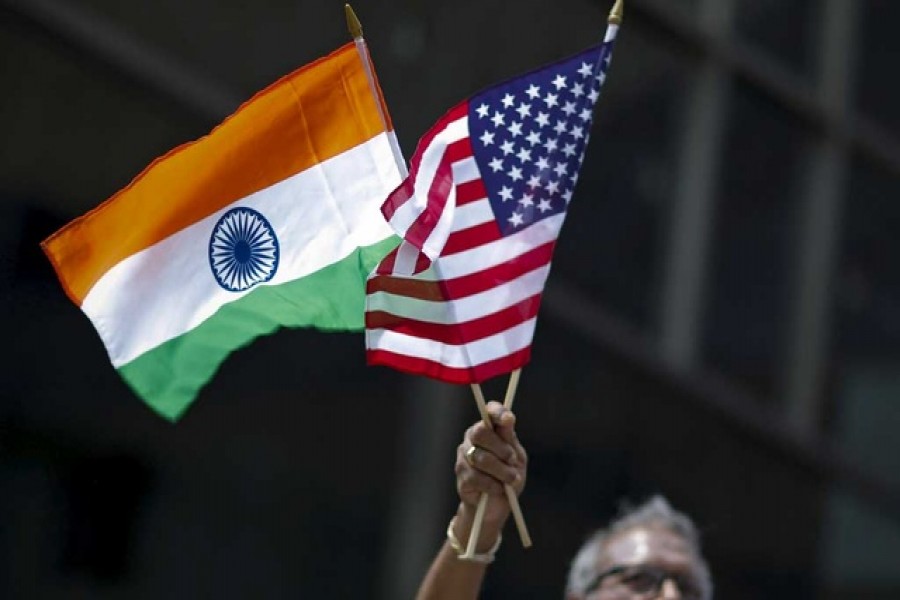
(479, 214)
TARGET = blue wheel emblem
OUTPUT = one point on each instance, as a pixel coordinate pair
(243, 250)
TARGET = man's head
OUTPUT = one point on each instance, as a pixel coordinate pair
(650, 552)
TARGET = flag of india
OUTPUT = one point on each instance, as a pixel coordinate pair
(271, 220)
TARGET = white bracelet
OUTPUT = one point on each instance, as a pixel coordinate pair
(486, 558)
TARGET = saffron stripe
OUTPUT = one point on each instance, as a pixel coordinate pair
(293, 120)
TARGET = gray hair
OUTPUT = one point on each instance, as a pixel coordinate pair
(655, 511)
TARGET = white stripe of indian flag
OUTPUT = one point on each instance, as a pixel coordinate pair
(340, 199)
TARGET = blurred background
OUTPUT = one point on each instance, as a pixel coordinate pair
(722, 324)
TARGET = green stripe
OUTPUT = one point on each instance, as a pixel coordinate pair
(170, 376)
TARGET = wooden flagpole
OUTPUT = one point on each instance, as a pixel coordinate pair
(356, 31)
(510, 492)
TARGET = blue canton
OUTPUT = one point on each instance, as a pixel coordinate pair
(529, 136)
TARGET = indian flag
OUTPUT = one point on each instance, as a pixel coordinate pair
(272, 220)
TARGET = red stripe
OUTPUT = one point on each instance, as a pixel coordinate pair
(458, 150)
(470, 191)
(472, 237)
(397, 198)
(498, 275)
(467, 285)
(422, 263)
(476, 374)
(438, 193)
(386, 266)
(457, 334)
(406, 189)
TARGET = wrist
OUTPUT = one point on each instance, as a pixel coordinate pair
(490, 528)
(473, 555)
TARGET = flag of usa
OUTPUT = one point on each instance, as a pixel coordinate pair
(480, 213)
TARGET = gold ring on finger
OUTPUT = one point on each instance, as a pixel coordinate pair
(470, 456)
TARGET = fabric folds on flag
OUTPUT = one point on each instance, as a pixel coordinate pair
(270, 220)
(480, 214)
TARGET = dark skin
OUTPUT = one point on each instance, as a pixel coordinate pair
(499, 459)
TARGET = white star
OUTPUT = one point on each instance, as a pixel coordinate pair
(516, 219)
(497, 119)
(543, 119)
(544, 205)
(542, 163)
(585, 114)
(507, 100)
(552, 187)
(569, 149)
(515, 173)
(515, 129)
(533, 91)
(524, 110)
(482, 111)
(559, 82)
(524, 155)
(496, 164)
(550, 145)
(487, 138)
(567, 195)
(601, 77)
(508, 147)
(533, 138)
(551, 100)
(569, 108)
(527, 200)
(534, 182)
(560, 169)
(577, 132)
(585, 69)
(506, 193)
(577, 90)
(593, 95)
(560, 127)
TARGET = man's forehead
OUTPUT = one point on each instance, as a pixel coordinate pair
(647, 545)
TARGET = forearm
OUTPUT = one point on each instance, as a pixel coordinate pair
(451, 578)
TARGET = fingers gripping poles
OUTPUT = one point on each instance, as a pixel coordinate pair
(510, 492)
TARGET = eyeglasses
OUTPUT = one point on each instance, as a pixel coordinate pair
(647, 581)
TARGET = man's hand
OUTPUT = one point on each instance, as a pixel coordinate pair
(497, 459)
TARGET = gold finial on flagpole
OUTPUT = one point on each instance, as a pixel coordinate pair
(353, 23)
(615, 15)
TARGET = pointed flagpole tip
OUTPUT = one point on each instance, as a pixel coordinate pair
(353, 23)
(617, 12)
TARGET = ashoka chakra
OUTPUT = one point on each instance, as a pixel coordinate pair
(243, 250)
